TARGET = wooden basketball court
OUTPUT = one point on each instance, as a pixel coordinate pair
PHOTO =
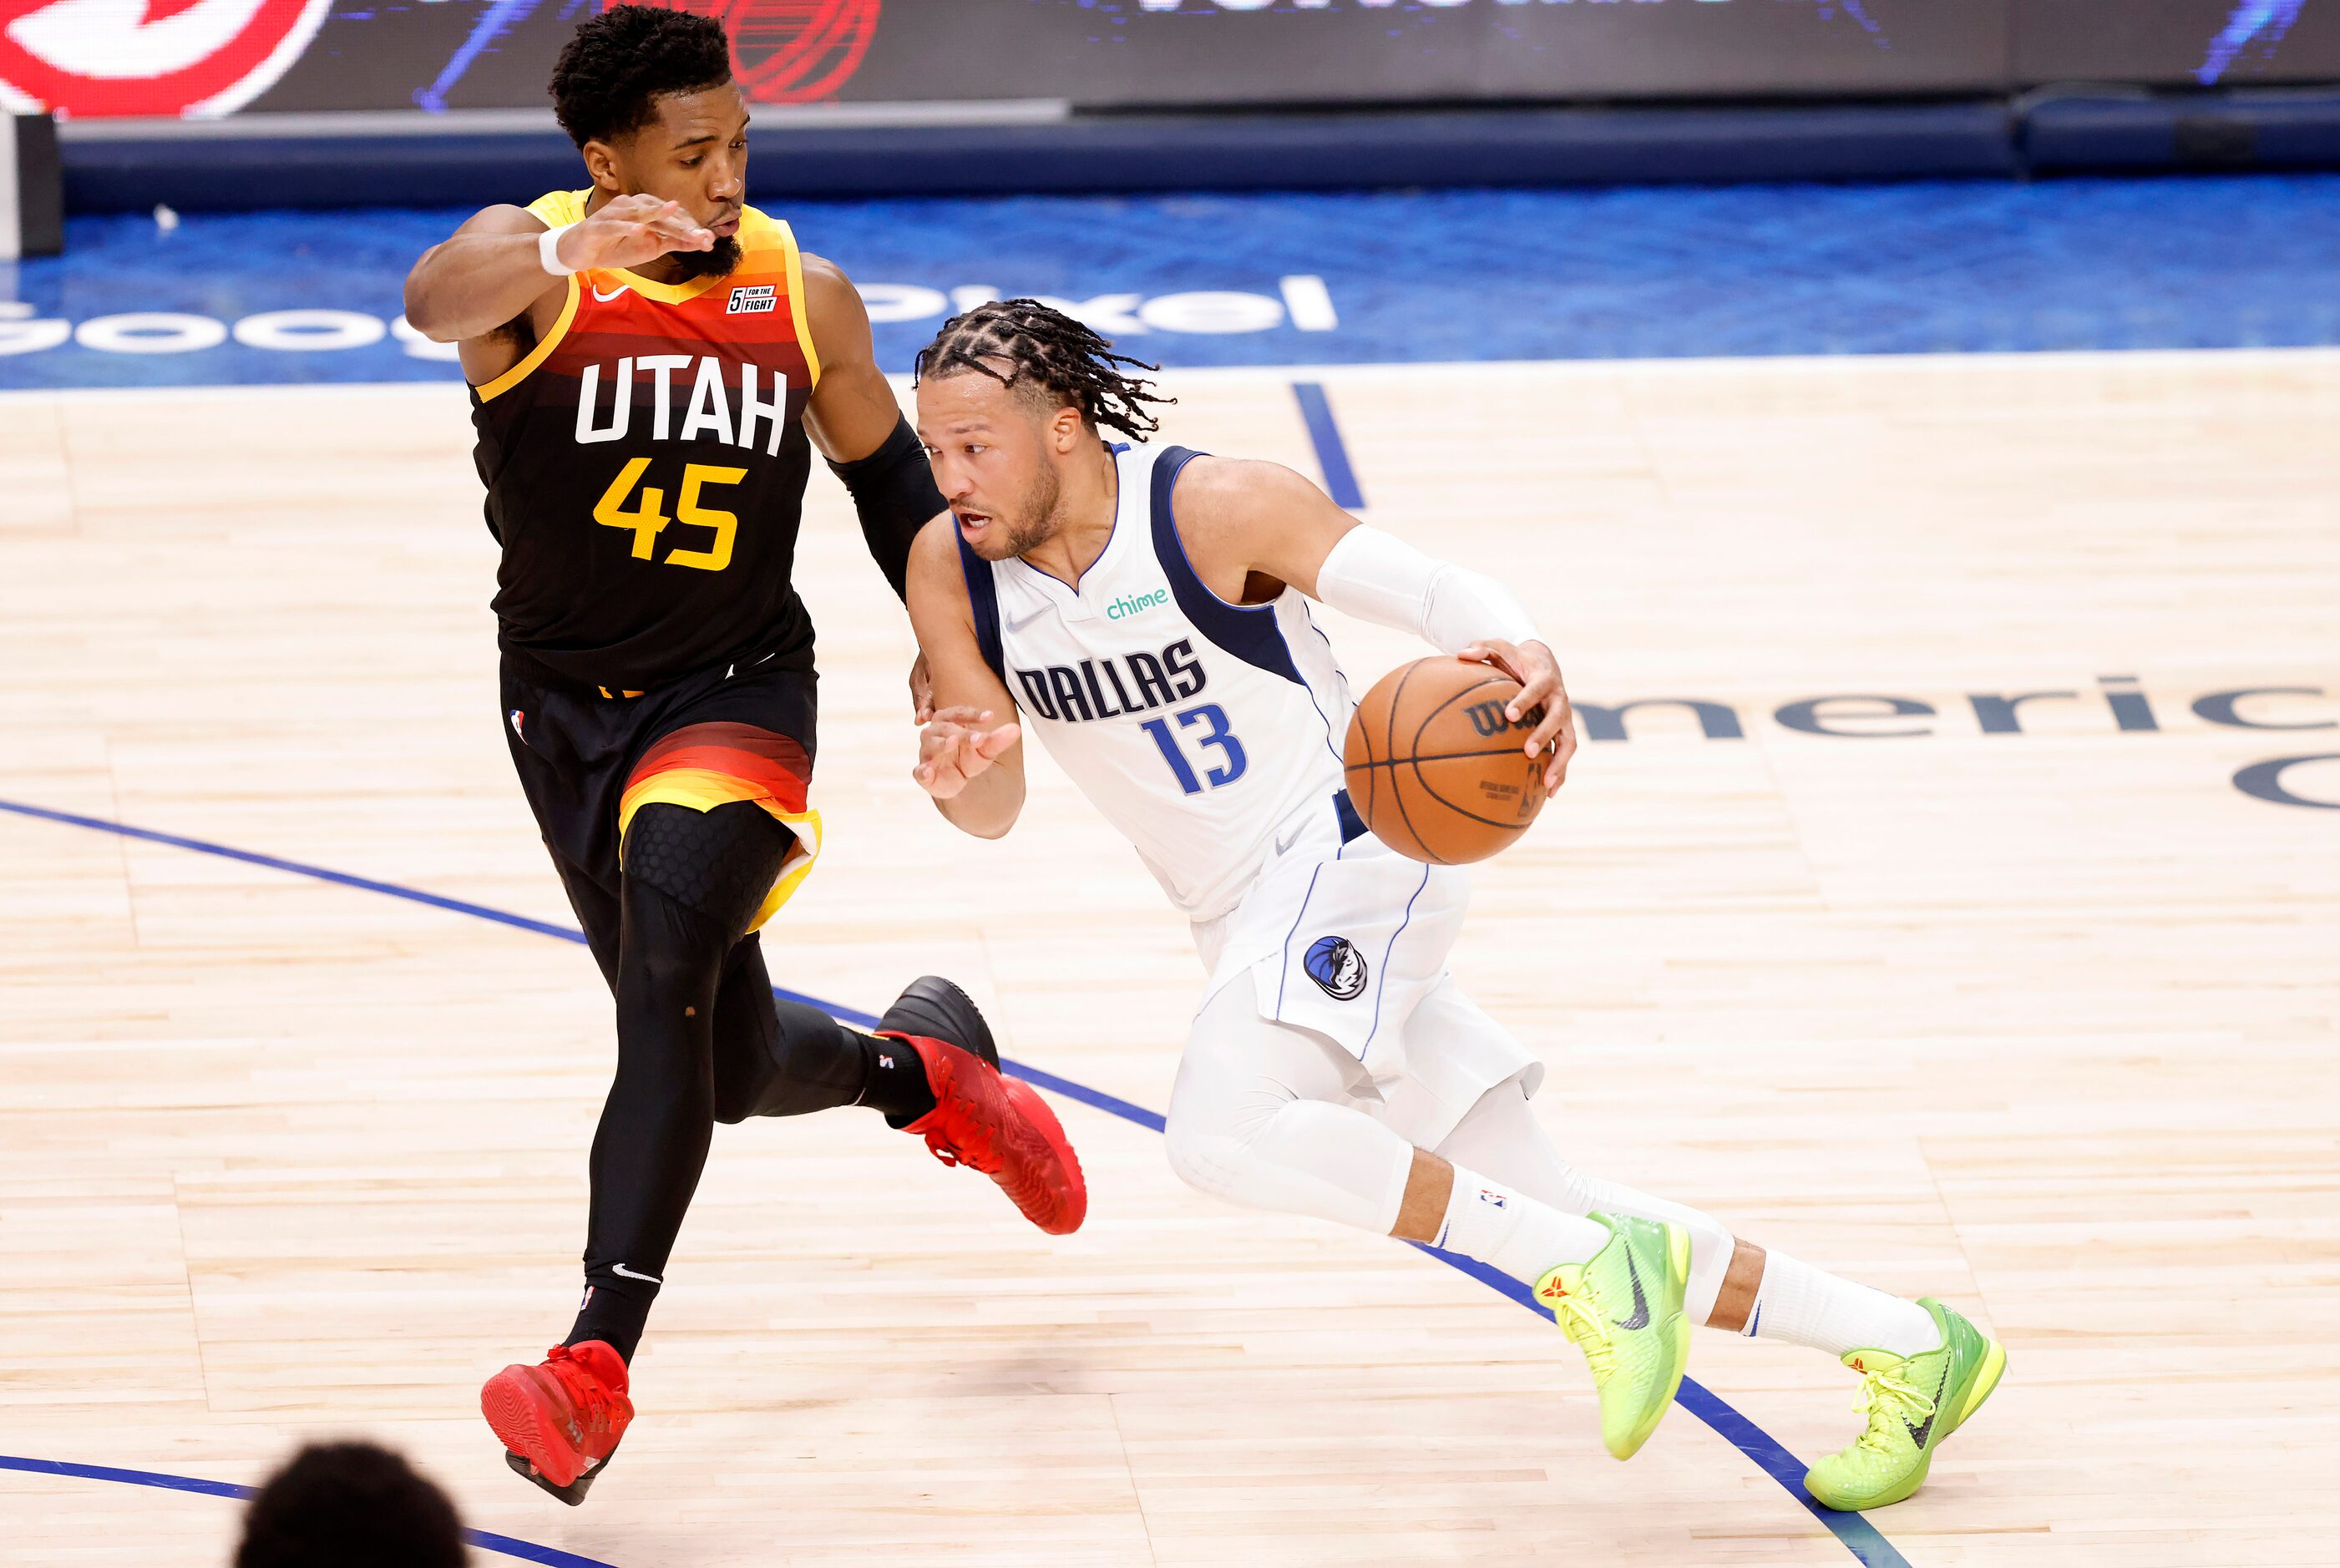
(2040, 1020)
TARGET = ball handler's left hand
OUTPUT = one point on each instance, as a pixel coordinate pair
(1538, 673)
(956, 747)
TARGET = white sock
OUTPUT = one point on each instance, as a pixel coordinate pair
(1801, 1305)
(1511, 1232)
(1502, 1136)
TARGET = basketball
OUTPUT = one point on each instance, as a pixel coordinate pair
(1436, 767)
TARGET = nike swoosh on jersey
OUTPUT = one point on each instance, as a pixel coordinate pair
(612, 294)
(1640, 1318)
(1018, 624)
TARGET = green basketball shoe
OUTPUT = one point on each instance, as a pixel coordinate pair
(1912, 1406)
(1624, 1311)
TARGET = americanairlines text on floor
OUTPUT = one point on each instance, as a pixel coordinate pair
(2112, 706)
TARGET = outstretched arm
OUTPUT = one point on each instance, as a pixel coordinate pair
(971, 751)
(1259, 526)
(494, 269)
(859, 427)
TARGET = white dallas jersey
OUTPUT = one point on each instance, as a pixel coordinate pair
(1210, 735)
(1198, 727)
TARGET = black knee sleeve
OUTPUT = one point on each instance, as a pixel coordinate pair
(719, 863)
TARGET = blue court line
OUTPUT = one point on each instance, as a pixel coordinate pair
(387, 888)
(1332, 454)
(486, 1540)
(1857, 1535)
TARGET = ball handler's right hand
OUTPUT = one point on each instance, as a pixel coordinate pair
(630, 231)
(955, 747)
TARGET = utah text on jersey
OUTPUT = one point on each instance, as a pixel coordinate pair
(646, 462)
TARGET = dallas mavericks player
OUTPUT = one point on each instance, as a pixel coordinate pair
(1144, 609)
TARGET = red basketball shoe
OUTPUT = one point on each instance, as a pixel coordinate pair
(561, 1419)
(1001, 1127)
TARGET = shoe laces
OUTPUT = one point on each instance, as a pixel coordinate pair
(584, 1388)
(1890, 1403)
(943, 1147)
(1579, 1319)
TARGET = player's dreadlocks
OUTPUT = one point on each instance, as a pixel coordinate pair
(1060, 360)
(619, 63)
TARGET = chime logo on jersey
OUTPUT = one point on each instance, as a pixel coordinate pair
(97, 58)
(1337, 967)
(1130, 605)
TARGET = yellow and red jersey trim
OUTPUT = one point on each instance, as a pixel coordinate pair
(542, 352)
(703, 766)
(767, 253)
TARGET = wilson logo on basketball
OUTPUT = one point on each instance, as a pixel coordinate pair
(791, 51)
(96, 58)
(1490, 719)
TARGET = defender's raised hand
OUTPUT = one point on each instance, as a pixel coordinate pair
(631, 230)
(956, 747)
(1532, 666)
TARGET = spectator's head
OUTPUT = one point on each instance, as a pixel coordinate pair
(350, 1505)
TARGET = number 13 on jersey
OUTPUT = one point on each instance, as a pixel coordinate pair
(1214, 720)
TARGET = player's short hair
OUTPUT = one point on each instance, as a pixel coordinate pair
(1054, 359)
(354, 1506)
(611, 75)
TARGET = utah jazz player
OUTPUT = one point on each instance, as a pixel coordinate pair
(651, 360)
(1148, 609)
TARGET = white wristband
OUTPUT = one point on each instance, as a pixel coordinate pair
(548, 251)
(1379, 577)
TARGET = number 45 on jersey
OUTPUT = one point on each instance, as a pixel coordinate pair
(647, 520)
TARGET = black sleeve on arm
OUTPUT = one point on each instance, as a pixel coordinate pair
(894, 491)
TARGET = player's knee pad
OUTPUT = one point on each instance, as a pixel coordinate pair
(719, 863)
(669, 952)
(1303, 1156)
(1204, 1157)
(1214, 1120)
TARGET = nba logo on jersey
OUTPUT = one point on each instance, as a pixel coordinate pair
(1337, 968)
(751, 300)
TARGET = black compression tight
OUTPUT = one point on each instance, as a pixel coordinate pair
(701, 1037)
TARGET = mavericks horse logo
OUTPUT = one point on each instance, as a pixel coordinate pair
(1337, 967)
